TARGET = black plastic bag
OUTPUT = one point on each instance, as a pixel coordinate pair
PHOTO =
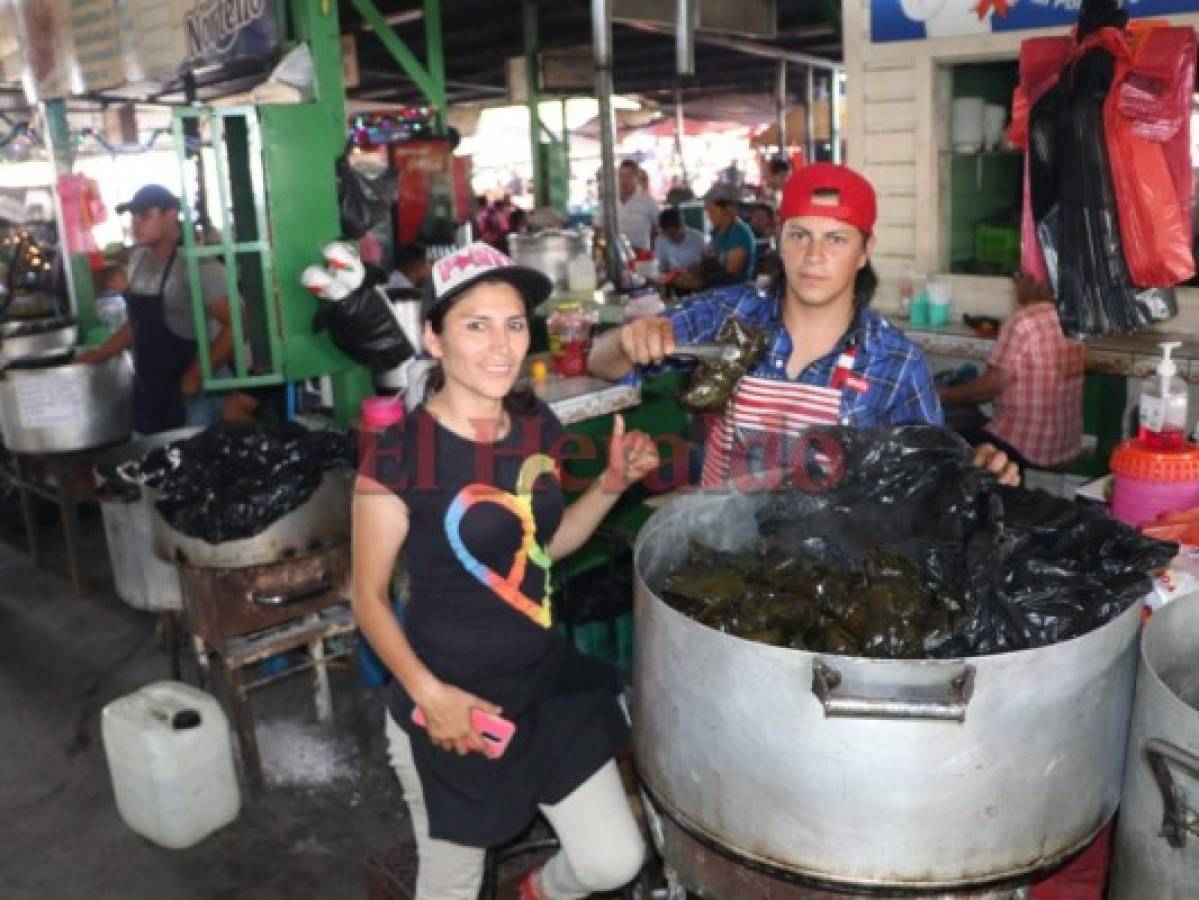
(1001, 568)
(232, 482)
(363, 202)
(1074, 206)
(364, 328)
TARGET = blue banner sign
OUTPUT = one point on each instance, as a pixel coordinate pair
(915, 20)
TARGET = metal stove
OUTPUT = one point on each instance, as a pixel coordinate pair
(695, 867)
(248, 615)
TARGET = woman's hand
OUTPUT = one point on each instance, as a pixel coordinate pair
(631, 457)
(447, 718)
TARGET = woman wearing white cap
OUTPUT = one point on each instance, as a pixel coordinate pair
(468, 488)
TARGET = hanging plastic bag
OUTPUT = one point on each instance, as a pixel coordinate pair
(365, 329)
(1071, 170)
(364, 202)
(1147, 122)
(355, 311)
(1041, 62)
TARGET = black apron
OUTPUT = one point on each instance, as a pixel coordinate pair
(160, 358)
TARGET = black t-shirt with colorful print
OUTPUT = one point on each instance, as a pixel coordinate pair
(480, 616)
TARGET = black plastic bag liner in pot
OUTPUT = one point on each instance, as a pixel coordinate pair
(914, 552)
(232, 482)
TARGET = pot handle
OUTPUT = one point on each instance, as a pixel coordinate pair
(935, 702)
(1178, 819)
(322, 585)
(129, 473)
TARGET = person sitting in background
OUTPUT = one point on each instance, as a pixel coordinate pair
(1034, 378)
(765, 229)
(732, 243)
(680, 192)
(518, 222)
(411, 268)
(489, 226)
(679, 251)
(778, 170)
(761, 222)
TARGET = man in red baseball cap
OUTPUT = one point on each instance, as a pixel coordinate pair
(830, 359)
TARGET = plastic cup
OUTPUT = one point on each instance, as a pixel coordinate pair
(918, 313)
(938, 314)
(381, 412)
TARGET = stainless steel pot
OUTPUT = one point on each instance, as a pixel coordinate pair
(550, 252)
(141, 579)
(36, 337)
(321, 522)
(849, 772)
(65, 408)
(1157, 841)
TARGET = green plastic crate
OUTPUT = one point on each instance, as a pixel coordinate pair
(998, 247)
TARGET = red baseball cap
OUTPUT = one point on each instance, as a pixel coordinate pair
(848, 196)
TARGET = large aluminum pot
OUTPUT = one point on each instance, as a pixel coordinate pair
(141, 579)
(858, 773)
(36, 337)
(1157, 842)
(550, 252)
(321, 522)
(67, 407)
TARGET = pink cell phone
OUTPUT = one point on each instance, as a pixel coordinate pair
(497, 731)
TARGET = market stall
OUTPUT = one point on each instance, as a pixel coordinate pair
(882, 670)
(950, 203)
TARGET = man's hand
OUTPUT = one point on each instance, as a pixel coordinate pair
(647, 341)
(991, 458)
(190, 383)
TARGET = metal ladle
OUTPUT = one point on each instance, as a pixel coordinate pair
(708, 353)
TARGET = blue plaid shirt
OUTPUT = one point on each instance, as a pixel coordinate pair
(900, 388)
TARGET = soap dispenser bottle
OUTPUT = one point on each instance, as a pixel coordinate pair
(1163, 405)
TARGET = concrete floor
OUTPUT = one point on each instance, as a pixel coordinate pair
(63, 659)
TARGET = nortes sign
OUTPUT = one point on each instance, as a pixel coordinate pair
(219, 31)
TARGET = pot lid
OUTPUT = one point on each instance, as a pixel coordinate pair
(47, 360)
(41, 325)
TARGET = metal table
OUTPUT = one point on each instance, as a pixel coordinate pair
(66, 480)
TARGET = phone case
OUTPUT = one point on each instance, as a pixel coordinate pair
(497, 731)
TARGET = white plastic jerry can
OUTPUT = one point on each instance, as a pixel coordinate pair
(171, 762)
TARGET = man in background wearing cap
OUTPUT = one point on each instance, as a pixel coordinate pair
(160, 328)
(830, 359)
(732, 242)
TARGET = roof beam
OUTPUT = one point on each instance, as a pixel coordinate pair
(749, 48)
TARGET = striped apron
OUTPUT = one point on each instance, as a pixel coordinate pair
(760, 428)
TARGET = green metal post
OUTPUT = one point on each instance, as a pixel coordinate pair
(316, 23)
(76, 265)
(528, 10)
(435, 57)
